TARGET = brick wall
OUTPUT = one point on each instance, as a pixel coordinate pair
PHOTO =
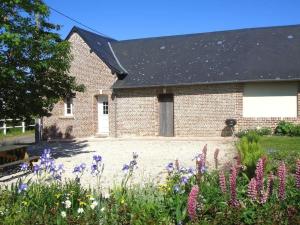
(199, 110)
(95, 75)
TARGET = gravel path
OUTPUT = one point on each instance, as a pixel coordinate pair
(154, 155)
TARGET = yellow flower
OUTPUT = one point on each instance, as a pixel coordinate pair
(57, 195)
(122, 201)
(25, 203)
(82, 203)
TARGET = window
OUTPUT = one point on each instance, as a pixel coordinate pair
(270, 100)
(68, 106)
(105, 108)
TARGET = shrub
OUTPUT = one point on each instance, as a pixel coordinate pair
(287, 128)
(250, 151)
(261, 131)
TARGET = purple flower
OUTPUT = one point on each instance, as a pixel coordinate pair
(232, 184)
(183, 180)
(36, 168)
(125, 168)
(192, 202)
(298, 174)
(222, 181)
(97, 158)
(282, 180)
(259, 172)
(252, 191)
(22, 187)
(24, 166)
(82, 166)
(170, 167)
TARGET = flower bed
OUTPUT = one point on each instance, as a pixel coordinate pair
(189, 196)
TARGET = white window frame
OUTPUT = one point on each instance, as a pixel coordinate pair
(66, 106)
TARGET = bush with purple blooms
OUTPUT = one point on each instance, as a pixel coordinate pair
(188, 195)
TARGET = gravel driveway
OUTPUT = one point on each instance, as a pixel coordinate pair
(154, 155)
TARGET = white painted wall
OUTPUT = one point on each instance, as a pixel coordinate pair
(270, 99)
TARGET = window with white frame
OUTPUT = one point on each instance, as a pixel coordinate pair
(68, 106)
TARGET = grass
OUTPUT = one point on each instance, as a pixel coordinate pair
(282, 148)
(14, 132)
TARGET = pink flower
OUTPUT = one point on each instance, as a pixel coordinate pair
(232, 184)
(252, 191)
(298, 174)
(216, 154)
(282, 178)
(259, 172)
(192, 202)
(222, 181)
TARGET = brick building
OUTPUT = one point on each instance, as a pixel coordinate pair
(185, 85)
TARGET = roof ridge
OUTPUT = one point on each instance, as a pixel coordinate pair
(204, 33)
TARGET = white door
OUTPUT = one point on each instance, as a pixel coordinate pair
(103, 125)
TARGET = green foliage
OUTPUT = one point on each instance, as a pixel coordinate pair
(250, 151)
(35, 61)
(262, 131)
(287, 128)
(147, 204)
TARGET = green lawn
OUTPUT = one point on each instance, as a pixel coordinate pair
(15, 132)
(282, 148)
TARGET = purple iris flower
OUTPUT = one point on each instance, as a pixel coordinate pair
(82, 166)
(36, 169)
(203, 169)
(24, 166)
(77, 169)
(22, 187)
(97, 158)
(184, 180)
(170, 167)
(125, 168)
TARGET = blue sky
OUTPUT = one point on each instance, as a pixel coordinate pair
(137, 19)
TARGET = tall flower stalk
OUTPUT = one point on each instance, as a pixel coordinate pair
(282, 180)
(232, 183)
(192, 202)
(298, 174)
(222, 182)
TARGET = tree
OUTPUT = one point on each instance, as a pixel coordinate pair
(34, 61)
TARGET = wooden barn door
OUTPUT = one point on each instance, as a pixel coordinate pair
(166, 115)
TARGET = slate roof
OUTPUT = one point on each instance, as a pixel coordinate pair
(246, 55)
(101, 46)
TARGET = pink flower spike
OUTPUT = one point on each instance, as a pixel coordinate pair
(259, 172)
(192, 202)
(222, 181)
(282, 180)
(298, 174)
(252, 191)
(232, 183)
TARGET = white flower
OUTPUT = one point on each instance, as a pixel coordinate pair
(80, 210)
(102, 209)
(63, 214)
(106, 195)
(94, 204)
(67, 204)
(92, 199)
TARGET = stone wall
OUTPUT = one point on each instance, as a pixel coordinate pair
(95, 75)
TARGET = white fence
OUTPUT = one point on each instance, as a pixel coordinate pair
(5, 127)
